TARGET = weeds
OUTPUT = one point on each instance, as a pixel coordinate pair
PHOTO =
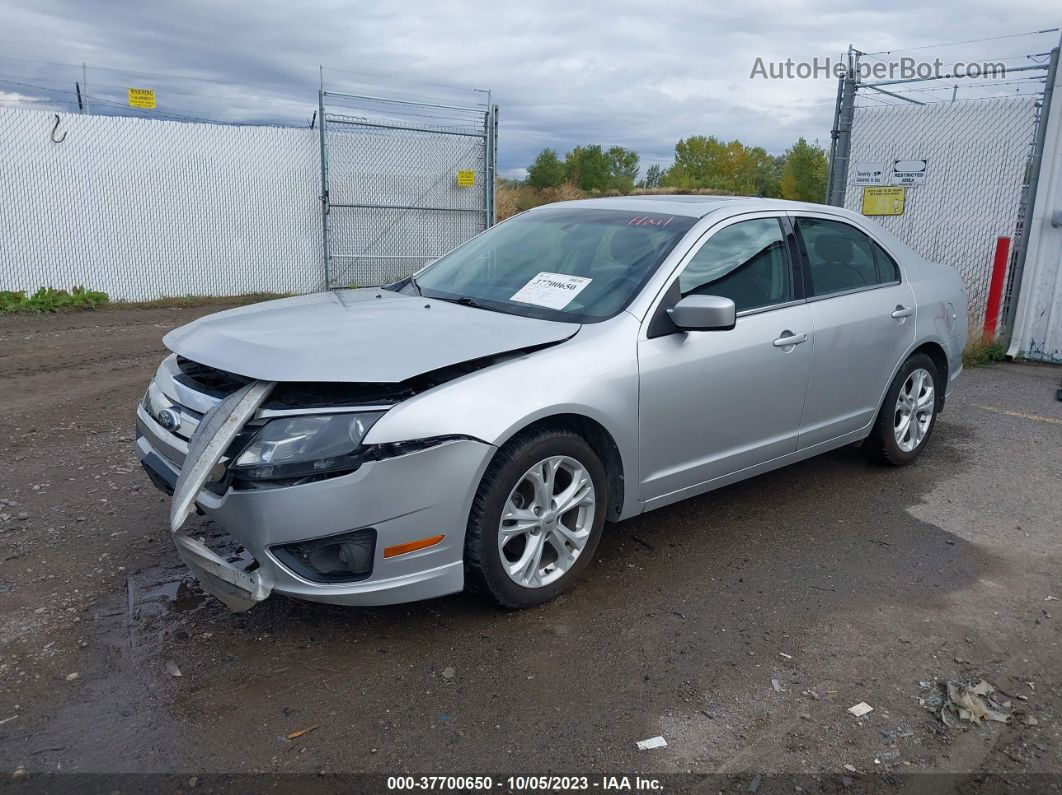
(48, 299)
(190, 301)
(983, 349)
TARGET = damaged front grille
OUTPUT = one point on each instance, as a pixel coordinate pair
(214, 382)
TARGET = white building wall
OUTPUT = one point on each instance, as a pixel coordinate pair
(1038, 323)
(142, 209)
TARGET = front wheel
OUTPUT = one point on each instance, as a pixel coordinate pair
(908, 413)
(536, 519)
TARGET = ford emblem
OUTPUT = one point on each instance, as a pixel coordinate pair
(169, 419)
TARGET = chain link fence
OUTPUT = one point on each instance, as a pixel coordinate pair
(977, 154)
(404, 183)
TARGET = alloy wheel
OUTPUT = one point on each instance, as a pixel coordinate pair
(546, 521)
(914, 410)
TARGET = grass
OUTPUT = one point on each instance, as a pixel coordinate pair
(191, 301)
(49, 299)
(983, 349)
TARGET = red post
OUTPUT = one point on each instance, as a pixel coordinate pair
(995, 287)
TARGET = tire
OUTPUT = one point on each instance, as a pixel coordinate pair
(509, 485)
(884, 444)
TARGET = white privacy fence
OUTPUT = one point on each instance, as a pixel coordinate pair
(143, 209)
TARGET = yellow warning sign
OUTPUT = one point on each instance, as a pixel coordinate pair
(883, 201)
(466, 178)
(142, 98)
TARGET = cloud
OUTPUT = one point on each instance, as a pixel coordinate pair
(614, 72)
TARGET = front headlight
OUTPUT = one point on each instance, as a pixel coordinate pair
(305, 445)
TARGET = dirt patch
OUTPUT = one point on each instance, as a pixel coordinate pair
(741, 626)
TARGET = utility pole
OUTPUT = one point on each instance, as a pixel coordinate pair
(84, 85)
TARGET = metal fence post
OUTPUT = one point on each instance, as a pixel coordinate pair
(324, 186)
(494, 164)
(488, 171)
(1035, 163)
(841, 134)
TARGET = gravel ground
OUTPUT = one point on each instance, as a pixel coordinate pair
(740, 626)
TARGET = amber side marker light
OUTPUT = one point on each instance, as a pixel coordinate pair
(411, 546)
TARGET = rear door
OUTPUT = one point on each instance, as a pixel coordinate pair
(863, 316)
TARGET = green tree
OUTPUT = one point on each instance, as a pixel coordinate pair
(803, 175)
(588, 167)
(547, 171)
(654, 176)
(707, 162)
(623, 168)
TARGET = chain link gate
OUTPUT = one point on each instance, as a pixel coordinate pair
(402, 183)
(980, 158)
(977, 154)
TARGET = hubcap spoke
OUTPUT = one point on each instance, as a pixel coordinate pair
(577, 493)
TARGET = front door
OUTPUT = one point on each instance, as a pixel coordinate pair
(715, 402)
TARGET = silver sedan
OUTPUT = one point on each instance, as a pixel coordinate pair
(477, 425)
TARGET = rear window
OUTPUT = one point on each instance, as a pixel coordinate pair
(842, 258)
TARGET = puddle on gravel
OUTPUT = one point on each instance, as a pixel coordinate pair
(178, 596)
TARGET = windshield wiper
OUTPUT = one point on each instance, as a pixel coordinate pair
(464, 300)
(413, 281)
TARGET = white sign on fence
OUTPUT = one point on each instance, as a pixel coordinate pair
(870, 172)
(909, 172)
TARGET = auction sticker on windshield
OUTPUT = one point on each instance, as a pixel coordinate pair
(551, 290)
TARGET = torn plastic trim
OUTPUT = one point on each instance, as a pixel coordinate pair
(240, 590)
(208, 444)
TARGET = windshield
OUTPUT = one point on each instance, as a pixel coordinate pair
(576, 265)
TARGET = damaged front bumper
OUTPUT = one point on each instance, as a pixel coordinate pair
(401, 499)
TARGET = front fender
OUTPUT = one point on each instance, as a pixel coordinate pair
(594, 374)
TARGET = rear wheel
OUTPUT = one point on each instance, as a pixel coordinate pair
(908, 413)
(536, 519)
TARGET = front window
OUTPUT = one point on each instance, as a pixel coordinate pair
(576, 265)
(746, 262)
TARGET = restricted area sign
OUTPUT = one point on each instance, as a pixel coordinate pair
(142, 98)
(909, 172)
(466, 178)
(883, 201)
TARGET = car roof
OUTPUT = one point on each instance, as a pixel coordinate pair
(692, 205)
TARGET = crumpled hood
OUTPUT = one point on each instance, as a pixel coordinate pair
(367, 335)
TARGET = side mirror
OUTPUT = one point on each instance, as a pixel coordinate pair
(704, 313)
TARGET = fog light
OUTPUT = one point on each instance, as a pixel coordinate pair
(346, 557)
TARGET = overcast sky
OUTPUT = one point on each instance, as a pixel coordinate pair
(637, 74)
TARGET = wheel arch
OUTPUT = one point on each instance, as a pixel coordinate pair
(601, 441)
(935, 351)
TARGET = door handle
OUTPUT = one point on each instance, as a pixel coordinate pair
(788, 339)
(902, 311)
